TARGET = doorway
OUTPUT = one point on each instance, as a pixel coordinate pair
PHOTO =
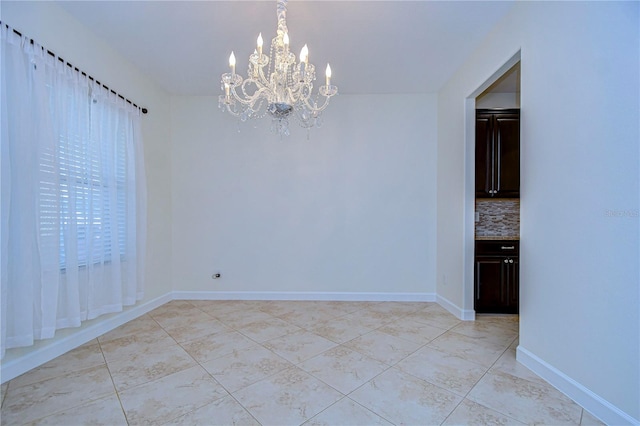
(502, 89)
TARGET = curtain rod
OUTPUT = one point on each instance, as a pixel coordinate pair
(144, 110)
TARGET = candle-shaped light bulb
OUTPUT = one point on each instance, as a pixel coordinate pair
(328, 74)
(260, 42)
(232, 63)
(304, 60)
(285, 40)
(304, 54)
(226, 90)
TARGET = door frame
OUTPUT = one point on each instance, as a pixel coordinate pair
(469, 185)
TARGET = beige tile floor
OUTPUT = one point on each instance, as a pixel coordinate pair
(292, 363)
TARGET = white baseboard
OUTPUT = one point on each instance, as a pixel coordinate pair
(46, 350)
(594, 404)
(293, 295)
(464, 315)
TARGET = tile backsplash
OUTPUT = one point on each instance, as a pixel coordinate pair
(498, 218)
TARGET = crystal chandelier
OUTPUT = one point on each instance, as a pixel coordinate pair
(276, 84)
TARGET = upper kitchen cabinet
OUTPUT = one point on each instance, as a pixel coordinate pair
(497, 153)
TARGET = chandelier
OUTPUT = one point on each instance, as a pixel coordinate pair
(276, 84)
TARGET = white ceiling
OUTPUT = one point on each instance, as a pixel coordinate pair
(373, 46)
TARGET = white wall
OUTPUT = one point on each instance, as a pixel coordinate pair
(350, 210)
(498, 100)
(579, 275)
(55, 29)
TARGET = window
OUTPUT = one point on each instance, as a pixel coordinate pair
(83, 192)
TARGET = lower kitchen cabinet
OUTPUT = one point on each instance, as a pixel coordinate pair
(496, 277)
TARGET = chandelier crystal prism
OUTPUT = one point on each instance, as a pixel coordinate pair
(276, 84)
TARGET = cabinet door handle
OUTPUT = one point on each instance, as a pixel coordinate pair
(510, 260)
(506, 261)
(508, 247)
(492, 170)
(498, 170)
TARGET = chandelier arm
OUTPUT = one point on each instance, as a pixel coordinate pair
(238, 97)
(262, 77)
(231, 111)
(315, 108)
(247, 100)
(244, 89)
(291, 93)
(257, 98)
(306, 90)
(301, 91)
(259, 102)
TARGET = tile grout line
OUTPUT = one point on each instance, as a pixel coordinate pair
(480, 379)
(124, 413)
(194, 360)
(297, 365)
(167, 375)
(434, 384)
(62, 410)
(463, 398)
(260, 344)
(394, 365)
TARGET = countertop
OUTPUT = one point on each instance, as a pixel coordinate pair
(497, 238)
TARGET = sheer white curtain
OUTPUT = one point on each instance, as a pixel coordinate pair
(73, 196)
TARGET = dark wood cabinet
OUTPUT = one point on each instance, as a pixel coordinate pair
(496, 277)
(497, 153)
